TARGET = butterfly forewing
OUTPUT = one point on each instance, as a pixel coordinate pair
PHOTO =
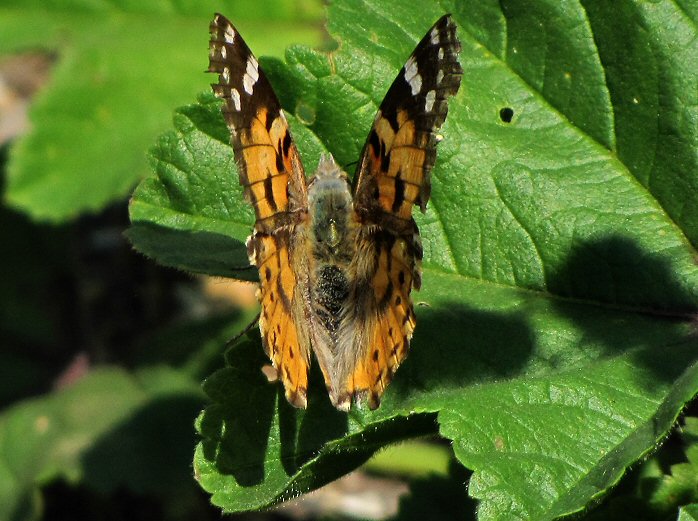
(394, 170)
(267, 159)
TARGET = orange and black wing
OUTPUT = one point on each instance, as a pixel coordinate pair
(274, 182)
(382, 319)
(267, 158)
(393, 175)
(396, 162)
(282, 321)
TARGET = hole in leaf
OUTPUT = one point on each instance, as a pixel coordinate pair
(506, 114)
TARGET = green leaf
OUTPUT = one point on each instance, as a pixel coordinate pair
(554, 339)
(120, 68)
(258, 450)
(110, 429)
(688, 513)
(679, 486)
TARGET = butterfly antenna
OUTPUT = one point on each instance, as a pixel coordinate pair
(230, 343)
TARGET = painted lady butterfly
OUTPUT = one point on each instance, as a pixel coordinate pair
(336, 270)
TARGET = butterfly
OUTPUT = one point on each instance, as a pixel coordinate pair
(337, 260)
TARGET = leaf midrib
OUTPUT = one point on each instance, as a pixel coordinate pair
(539, 293)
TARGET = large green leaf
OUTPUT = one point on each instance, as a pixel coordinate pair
(120, 68)
(554, 343)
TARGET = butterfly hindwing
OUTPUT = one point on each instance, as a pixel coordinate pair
(382, 317)
(273, 178)
(284, 330)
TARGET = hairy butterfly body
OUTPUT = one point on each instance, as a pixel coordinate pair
(336, 264)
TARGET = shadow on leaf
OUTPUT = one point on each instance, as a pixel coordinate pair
(304, 433)
(239, 428)
(236, 429)
(636, 293)
(456, 346)
(616, 270)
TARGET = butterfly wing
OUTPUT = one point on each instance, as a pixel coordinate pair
(267, 158)
(392, 176)
(396, 162)
(274, 183)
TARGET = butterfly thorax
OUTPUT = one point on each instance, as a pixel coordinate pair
(332, 224)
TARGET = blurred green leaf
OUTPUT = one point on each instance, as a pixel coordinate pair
(412, 459)
(554, 336)
(121, 67)
(680, 485)
(689, 431)
(110, 429)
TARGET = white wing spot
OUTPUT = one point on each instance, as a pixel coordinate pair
(229, 34)
(251, 75)
(416, 84)
(434, 36)
(439, 76)
(253, 68)
(429, 100)
(224, 52)
(235, 96)
(410, 68)
(248, 84)
(412, 76)
(226, 75)
(441, 53)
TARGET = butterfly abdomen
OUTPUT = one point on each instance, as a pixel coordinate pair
(330, 296)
